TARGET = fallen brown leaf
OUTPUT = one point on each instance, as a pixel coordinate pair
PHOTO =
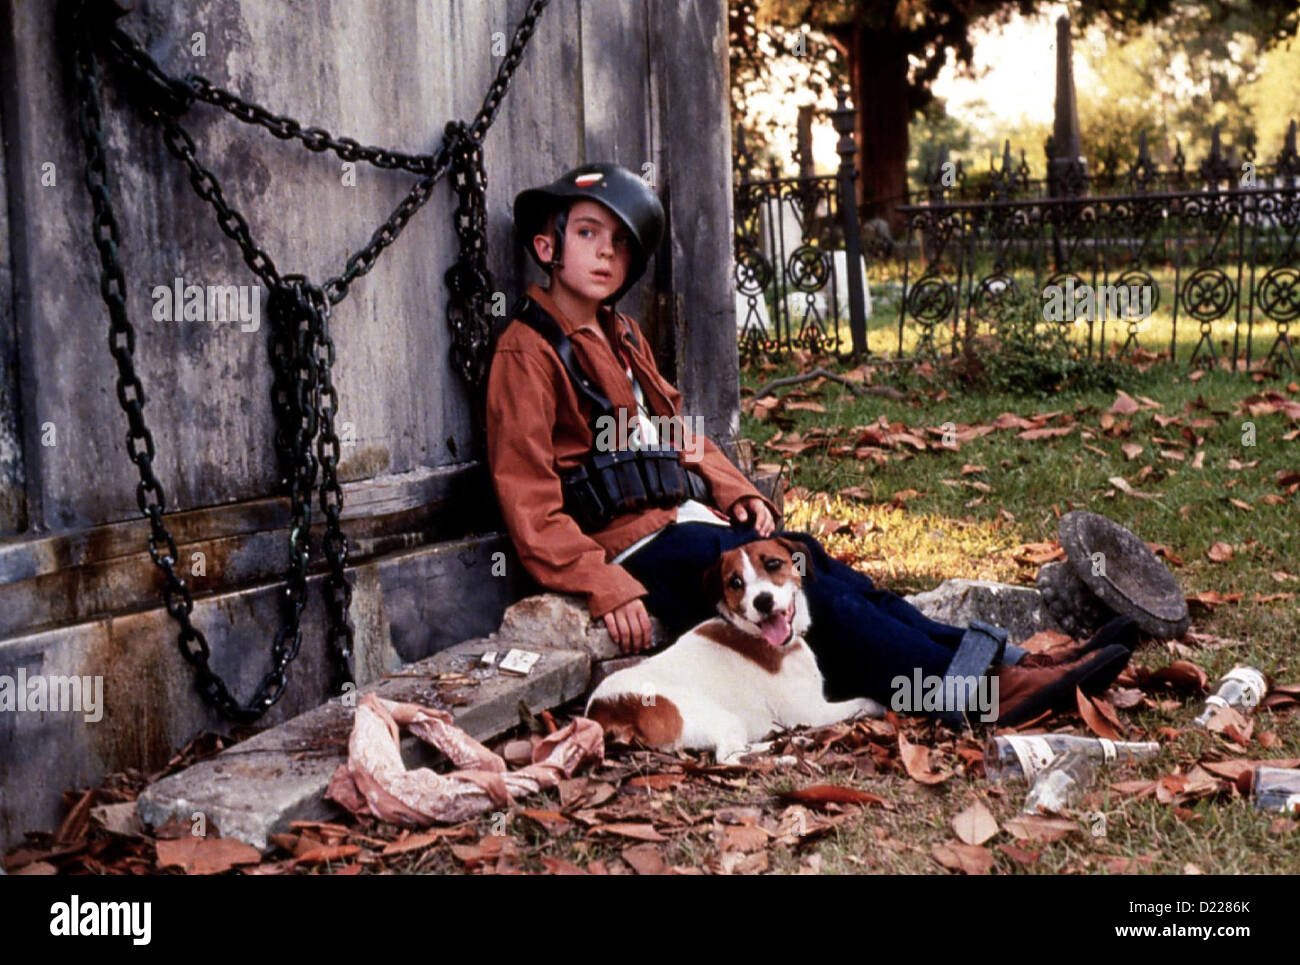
(550, 820)
(1124, 404)
(1125, 698)
(1138, 788)
(744, 837)
(975, 824)
(423, 839)
(972, 859)
(657, 782)
(490, 848)
(1212, 598)
(916, 759)
(644, 859)
(558, 866)
(740, 863)
(832, 793)
(1181, 675)
(1120, 483)
(1231, 723)
(1127, 866)
(1219, 552)
(205, 856)
(1019, 855)
(1038, 828)
(321, 853)
(1098, 720)
(1033, 435)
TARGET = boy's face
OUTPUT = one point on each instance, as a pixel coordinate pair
(597, 252)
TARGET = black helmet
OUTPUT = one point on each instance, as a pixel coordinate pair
(614, 186)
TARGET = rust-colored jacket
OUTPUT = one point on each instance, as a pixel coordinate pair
(537, 428)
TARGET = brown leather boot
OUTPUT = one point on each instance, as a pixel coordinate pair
(1120, 629)
(1025, 692)
(1054, 657)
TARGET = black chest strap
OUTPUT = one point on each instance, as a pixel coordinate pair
(540, 321)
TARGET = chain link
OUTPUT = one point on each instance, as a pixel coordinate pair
(304, 399)
(468, 279)
(313, 138)
(181, 145)
(364, 260)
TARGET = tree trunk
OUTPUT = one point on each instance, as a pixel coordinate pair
(879, 73)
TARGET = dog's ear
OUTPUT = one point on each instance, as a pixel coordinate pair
(711, 580)
(800, 557)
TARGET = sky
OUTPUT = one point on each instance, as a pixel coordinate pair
(1015, 78)
(1015, 73)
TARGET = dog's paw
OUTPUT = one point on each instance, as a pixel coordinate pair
(869, 708)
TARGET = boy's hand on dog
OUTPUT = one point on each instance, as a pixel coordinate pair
(629, 626)
(751, 506)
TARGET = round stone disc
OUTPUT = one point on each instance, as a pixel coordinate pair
(1123, 573)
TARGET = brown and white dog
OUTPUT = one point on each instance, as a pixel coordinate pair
(735, 677)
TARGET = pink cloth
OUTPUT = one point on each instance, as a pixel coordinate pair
(375, 780)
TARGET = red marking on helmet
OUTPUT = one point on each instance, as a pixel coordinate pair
(586, 180)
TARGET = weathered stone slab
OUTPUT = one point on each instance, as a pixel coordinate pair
(439, 595)
(426, 599)
(562, 621)
(146, 706)
(257, 787)
(1019, 609)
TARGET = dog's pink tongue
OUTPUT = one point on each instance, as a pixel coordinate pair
(776, 628)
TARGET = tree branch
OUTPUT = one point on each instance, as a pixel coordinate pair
(884, 390)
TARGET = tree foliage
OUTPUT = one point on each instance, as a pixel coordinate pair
(1172, 66)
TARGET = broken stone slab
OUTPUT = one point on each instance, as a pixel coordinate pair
(562, 621)
(257, 787)
(1018, 609)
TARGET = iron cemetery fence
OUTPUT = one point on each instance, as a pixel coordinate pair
(787, 292)
(1215, 249)
(1207, 251)
(795, 240)
(1010, 179)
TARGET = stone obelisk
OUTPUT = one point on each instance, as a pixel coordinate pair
(1067, 169)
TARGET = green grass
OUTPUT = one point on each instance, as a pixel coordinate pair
(1034, 480)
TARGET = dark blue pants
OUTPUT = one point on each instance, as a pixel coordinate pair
(862, 637)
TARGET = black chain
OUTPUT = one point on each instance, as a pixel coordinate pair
(181, 145)
(468, 279)
(360, 263)
(313, 138)
(304, 399)
(150, 495)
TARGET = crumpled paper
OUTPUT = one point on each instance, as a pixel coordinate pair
(375, 780)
